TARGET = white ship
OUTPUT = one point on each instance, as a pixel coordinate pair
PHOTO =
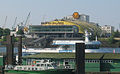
(65, 46)
(39, 65)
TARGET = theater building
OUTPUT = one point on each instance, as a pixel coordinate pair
(56, 29)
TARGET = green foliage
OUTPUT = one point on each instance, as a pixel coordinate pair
(4, 38)
(92, 37)
(72, 55)
(20, 32)
(4, 32)
(92, 28)
(1, 32)
(118, 43)
(111, 39)
(1, 39)
(103, 39)
(116, 34)
(14, 39)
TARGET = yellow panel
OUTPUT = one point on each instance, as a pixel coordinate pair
(63, 23)
(26, 29)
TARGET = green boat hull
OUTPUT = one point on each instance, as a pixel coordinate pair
(55, 71)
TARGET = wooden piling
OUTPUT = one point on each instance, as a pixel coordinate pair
(20, 50)
(80, 58)
(10, 50)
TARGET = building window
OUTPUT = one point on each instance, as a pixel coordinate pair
(92, 61)
(106, 61)
(35, 68)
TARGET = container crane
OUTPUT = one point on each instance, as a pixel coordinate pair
(26, 23)
(13, 26)
(4, 22)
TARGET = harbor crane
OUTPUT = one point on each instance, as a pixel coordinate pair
(4, 22)
(13, 26)
(26, 23)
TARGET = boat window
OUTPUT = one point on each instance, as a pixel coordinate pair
(25, 68)
(90, 46)
(98, 61)
(42, 65)
(38, 64)
(105, 61)
(66, 63)
(35, 68)
(45, 65)
(111, 61)
(71, 60)
(54, 64)
(90, 61)
(48, 65)
(28, 68)
(20, 68)
(93, 61)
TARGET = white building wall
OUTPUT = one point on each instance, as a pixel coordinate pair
(83, 17)
(107, 29)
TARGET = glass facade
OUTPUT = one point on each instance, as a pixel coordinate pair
(53, 29)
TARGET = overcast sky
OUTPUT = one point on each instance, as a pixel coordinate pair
(104, 12)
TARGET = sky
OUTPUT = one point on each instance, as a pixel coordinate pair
(104, 12)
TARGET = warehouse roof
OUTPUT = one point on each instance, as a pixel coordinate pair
(72, 55)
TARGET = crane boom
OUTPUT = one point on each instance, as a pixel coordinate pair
(27, 19)
(14, 23)
(26, 22)
(4, 22)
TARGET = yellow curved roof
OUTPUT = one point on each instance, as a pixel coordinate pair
(64, 23)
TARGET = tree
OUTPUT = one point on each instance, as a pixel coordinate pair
(1, 32)
(116, 34)
(20, 32)
(111, 39)
(6, 32)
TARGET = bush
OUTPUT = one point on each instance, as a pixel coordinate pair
(111, 40)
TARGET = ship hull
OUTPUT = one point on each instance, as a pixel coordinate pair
(55, 71)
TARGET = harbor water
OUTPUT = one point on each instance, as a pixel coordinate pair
(3, 50)
(101, 50)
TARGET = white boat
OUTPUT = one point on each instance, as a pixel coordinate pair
(65, 46)
(36, 66)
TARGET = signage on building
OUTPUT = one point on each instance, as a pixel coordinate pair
(76, 15)
(58, 23)
(54, 23)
